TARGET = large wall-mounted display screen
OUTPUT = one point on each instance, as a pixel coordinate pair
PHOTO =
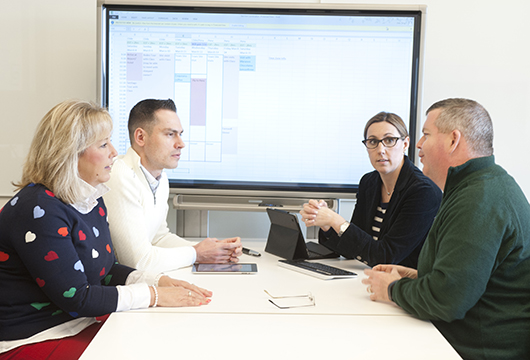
(270, 98)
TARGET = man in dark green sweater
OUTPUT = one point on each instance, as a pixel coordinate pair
(473, 277)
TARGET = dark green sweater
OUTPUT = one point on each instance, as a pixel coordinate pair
(474, 269)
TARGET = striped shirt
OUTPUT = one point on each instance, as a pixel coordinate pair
(378, 220)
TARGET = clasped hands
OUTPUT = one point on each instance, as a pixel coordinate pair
(381, 276)
(214, 251)
(317, 213)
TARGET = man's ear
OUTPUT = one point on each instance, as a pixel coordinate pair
(139, 136)
(455, 138)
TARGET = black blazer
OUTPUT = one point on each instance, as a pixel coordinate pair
(407, 220)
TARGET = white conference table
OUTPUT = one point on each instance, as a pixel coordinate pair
(241, 322)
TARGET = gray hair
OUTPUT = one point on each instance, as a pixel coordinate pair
(468, 117)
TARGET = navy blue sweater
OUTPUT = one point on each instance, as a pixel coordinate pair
(56, 264)
(408, 218)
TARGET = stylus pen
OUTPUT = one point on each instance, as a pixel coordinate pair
(250, 252)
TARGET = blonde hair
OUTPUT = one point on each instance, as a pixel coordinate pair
(62, 135)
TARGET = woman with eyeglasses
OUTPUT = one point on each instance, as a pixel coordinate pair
(396, 203)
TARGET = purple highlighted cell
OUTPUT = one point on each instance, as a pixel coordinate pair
(134, 66)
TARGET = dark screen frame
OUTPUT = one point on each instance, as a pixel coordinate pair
(278, 187)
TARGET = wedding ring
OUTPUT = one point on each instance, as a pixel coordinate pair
(189, 293)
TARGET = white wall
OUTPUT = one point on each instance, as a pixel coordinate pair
(47, 54)
(474, 49)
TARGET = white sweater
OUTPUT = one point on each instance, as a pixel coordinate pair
(137, 222)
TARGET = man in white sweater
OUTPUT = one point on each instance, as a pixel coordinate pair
(138, 201)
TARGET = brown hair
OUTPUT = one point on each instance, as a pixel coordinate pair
(390, 118)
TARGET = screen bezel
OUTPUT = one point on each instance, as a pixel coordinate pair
(256, 188)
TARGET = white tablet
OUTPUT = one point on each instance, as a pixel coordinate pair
(224, 269)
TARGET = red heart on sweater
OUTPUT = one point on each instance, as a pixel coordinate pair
(52, 255)
(82, 235)
(3, 256)
(102, 272)
(49, 193)
(40, 282)
(101, 211)
(63, 231)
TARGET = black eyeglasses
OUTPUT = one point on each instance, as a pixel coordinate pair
(387, 142)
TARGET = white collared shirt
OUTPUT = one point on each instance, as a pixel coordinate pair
(90, 195)
(153, 182)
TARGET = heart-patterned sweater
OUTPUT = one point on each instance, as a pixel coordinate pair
(56, 263)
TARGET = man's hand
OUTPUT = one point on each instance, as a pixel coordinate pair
(402, 270)
(238, 250)
(212, 251)
(379, 280)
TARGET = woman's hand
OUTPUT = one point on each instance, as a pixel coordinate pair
(177, 296)
(166, 281)
(317, 213)
(176, 293)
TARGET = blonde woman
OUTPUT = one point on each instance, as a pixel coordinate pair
(57, 265)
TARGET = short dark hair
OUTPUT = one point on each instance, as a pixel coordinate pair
(390, 118)
(143, 114)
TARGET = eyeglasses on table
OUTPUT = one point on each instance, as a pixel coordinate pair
(309, 297)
